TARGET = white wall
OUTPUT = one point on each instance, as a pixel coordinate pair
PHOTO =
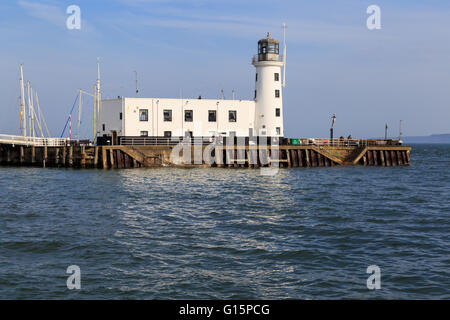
(110, 117)
(266, 102)
(155, 126)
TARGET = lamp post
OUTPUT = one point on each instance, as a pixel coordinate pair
(137, 88)
(333, 120)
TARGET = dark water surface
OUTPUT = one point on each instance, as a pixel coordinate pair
(306, 233)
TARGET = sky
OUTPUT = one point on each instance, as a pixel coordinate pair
(335, 64)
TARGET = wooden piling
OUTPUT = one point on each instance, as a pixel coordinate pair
(22, 155)
(264, 156)
(33, 154)
(404, 157)
(45, 156)
(399, 158)
(383, 163)
(294, 157)
(288, 158)
(118, 159)
(387, 156)
(95, 157)
(71, 156)
(253, 158)
(300, 157)
(313, 158)
(307, 155)
(228, 157)
(83, 157)
(369, 157)
(241, 157)
(64, 157)
(321, 160)
(219, 157)
(104, 158)
(111, 158)
(57, 151)
(275, 156)
(393, 159)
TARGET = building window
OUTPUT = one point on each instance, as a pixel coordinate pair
(167, 115)
(104, 127)
(278, 131)
(277, 93)
(167, 134)
(232, 117)
(277, 76)
(255, 94)
(143, 115)
(256, 77)
(144, 133)
(212, 116)
(277, 112)
(120, 116)
(188, 115)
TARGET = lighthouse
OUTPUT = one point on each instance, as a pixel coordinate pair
(268, 88)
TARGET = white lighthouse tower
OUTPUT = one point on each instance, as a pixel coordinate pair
(268, 89)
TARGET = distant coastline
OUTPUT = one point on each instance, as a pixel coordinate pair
(434, 138)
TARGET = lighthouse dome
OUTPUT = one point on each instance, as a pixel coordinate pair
(268, 49)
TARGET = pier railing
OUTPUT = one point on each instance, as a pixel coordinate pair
(160, 141)
(350, 142)
(33, 141)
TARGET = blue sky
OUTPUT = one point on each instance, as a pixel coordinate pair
(335, 64)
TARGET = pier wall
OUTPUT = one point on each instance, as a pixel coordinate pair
(119, 157)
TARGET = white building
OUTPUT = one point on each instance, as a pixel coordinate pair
(161, 117)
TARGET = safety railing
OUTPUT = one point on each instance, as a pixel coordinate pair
(350, 142)
(33, 141)
(268, 57)
(160, 141)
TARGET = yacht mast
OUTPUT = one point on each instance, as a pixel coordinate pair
(23, 118)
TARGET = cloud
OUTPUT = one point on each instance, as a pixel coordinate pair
(46, 12)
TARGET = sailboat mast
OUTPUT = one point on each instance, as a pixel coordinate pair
(33, 114)
(23, 120)
(29, 107)
(80, 105)
(284, 55)
(95, 112)
(98, 97)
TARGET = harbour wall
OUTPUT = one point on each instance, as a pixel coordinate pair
(121, 157)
